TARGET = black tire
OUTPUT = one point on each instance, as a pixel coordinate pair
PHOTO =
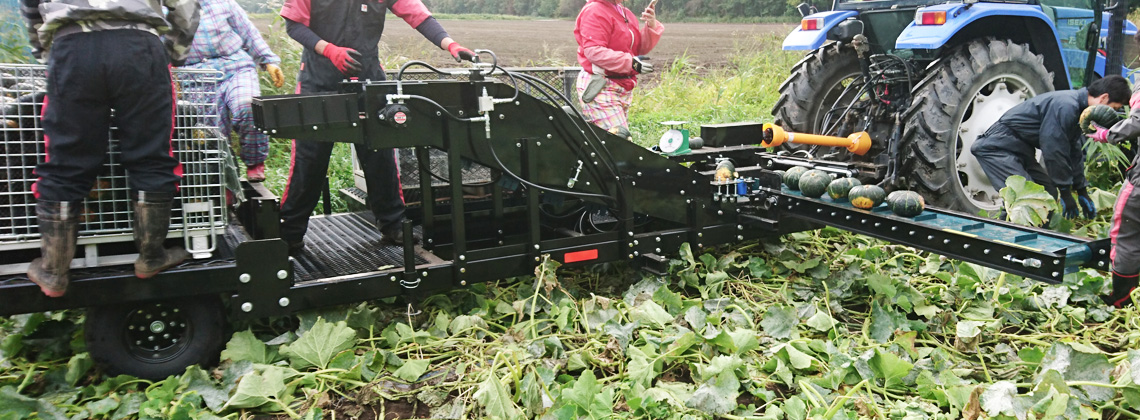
(942, 121)
(154, 340)
(814, 86)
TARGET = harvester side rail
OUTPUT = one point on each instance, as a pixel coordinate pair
(1030, 252)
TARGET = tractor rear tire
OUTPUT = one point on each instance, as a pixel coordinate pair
(964, 93)
(814, 86)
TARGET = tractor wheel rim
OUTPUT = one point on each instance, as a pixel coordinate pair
(157, 332)
(988, 103)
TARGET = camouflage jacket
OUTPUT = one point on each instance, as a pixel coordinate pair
(45, 17)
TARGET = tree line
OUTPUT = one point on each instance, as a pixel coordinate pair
(666, 9)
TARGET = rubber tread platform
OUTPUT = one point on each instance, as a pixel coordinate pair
(345, 244)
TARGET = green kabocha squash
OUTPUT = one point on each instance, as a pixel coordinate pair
(906, 203)
(814, 183)
(838, 188)
(1102, 115)
(792, 177)
(866, 196)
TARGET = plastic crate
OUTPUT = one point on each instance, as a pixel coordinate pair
(199, 212)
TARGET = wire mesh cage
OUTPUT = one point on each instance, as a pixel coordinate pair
(561, 79)
(198, 215)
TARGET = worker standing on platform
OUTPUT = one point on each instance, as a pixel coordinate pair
(1125, 230)
(341, 41)
(105, 55)
(228, 42)
(1048, 122)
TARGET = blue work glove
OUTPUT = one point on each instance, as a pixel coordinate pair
(1086, 203)
(1069, 208)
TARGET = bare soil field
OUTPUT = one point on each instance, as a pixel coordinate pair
(551, 42)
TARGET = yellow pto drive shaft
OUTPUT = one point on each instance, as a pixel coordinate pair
(858, 143)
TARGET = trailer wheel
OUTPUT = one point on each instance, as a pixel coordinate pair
(964, 93)
(154, 340)
(814, 87)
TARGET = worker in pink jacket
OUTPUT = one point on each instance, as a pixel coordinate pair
(611, 49)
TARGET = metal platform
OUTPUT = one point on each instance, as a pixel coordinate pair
(346, 244)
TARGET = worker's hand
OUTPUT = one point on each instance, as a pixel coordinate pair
(1086, 203)
(1069, 209)
(275, 75)
(1099, 135)
(650, 16)
(347, 60)
(641, 64)
(461, 53)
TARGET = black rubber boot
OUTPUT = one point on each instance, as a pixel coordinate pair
(59, 229)
(152, 223)
(1121, 290)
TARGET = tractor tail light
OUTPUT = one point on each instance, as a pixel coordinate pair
(811, 24)
(930, 18)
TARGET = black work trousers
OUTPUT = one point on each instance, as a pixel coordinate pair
(308, 175)
(90, 73)
(1002, 154)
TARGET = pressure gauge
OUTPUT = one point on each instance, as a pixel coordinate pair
(671, 141)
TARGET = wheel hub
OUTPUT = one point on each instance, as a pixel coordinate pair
(989, 103)
(156, 332)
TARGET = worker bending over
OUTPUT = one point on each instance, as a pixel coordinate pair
(1048, 122)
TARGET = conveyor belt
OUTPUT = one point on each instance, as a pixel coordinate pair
(1035, 253)
(345, 244)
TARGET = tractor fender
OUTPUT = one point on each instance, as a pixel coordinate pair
(801, 39)
(1026, 22)
(958, 16)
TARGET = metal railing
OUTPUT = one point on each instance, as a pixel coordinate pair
(199, 214)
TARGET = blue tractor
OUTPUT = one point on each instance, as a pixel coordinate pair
(927, 77)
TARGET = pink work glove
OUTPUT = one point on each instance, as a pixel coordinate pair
(347, 60)
(459, 53)
(1100, 135)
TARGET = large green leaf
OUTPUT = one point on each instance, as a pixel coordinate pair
(245, 346)
(1027, 203)
(650, 313)
(495, 398)
(197, 380)
(16, 406)
(717, 396)
(256, 389)
(821, 321)
(641, 369)
(412, 370)
(780, 321)
(319, 344)
(1089, 365)
(77, 367)
(889, 367)
(999, 397)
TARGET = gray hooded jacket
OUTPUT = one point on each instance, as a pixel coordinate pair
(178, 24)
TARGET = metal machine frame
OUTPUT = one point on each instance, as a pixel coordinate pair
(543, 155)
